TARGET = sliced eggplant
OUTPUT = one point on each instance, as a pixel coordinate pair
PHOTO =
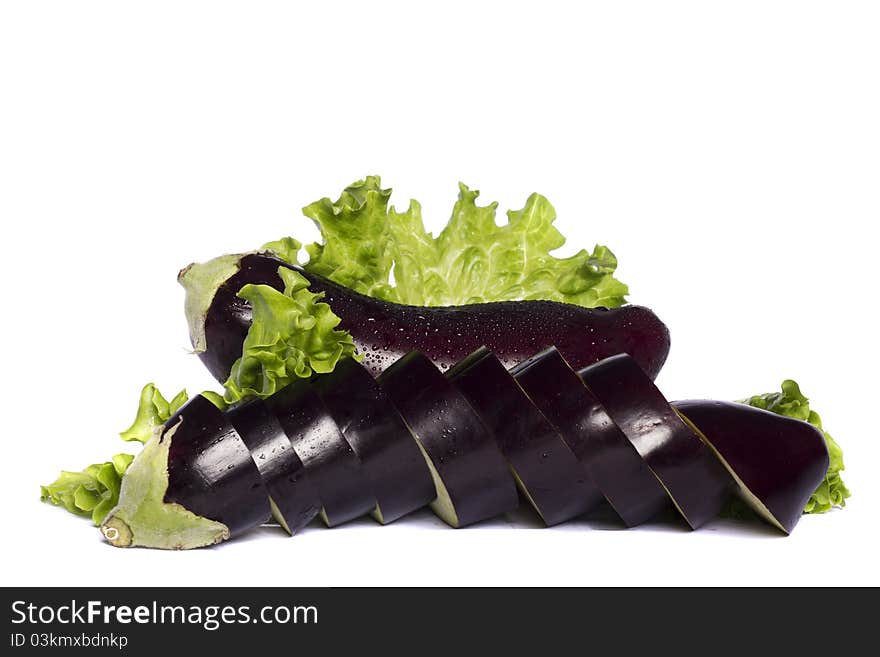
(617, 471)
(294, 500)
(331, 464)
(777, 462)
(379, 437)
(470, 475)
(567, 439)
(385, 331)
(684, 463)
(546, 470)
(210, 469)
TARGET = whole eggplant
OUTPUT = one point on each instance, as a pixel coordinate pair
(383, 331)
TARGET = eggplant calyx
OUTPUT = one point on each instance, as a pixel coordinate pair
(143, 518)
(201, 280)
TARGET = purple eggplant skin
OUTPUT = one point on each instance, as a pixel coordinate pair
(330, 462)
(614, 466)
(461, 448)
(693, 476)
(550, 474)
(379, 437)
(384, 332)
(778, 460)
(210, 469)
(282, 470)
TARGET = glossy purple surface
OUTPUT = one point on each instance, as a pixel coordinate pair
(695, 479)
(549, 471)
(780, 460)
(210, 469)
(459, 445)
(346, 441)
(615, 468)
(282, 471)
(378, 435)
(331, 464)
(384, 332)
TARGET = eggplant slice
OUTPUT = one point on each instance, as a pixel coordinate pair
(210, 469)
(330, 462)
(292, 497)
(470, 475)
(616, 469)
(695, 480)
(777, 462)
(379, 437)
(546, 470)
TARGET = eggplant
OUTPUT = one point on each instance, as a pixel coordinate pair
(545, 469)
(210, 469)
(461, 442)
(377, 434)
(471, 477)
(616, 469)
(383, 332)
(292, 497)
(194, 484)
(330, 462)
(695, 480)
(793, 455)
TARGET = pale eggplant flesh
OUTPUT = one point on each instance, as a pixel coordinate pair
(471, 477)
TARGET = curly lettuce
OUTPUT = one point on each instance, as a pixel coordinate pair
(93, 492)
(293, 335)
(153, 410)
(472, 260)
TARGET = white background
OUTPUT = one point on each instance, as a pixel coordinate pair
(727, 153)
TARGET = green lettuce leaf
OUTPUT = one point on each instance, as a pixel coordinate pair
(832, 492)
(286, 248)
(472, 260)
(152, 411)
(292, 336)
(92, 492)
(215, 398)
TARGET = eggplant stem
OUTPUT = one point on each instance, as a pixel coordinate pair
(117, 532)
